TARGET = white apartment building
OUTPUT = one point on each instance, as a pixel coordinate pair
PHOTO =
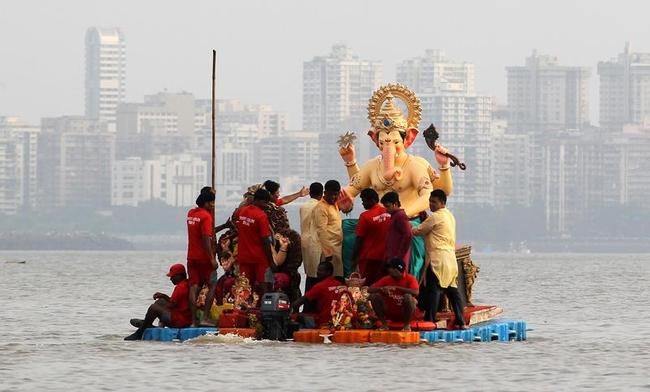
(336, 88)
(74, 163)
(294, 158)
(18, 175)
(105, 72)
(545, 96)
(174, 179)
(436, 73)
(335, 93)
(584, 175)
(240, 128)
(464, 124)
(463, 119)
(624, 90)
(510, 164)
(128, 186)
(233, 172)
(238, 124)
(633, 145)
(163, 124)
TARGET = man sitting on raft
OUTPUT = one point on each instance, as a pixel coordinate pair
(172, 311)
(322, 293)
(393, 296)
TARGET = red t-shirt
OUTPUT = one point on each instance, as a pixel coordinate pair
(253, 228)
(181, 315)
(279, 202)
(324, 292)
(396, 297)
(373, 227)
(199, 223)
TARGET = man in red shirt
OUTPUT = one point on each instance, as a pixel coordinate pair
(393, 296)
(254, 235)
(201, 261)
(172, 311)
(323, 293)
(370, 244)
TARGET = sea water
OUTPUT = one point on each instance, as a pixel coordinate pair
(63, 316)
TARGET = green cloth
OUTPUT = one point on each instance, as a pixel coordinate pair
(416, 258)
(349, 225)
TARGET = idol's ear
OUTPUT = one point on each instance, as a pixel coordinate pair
(411, 133)
(373, 136)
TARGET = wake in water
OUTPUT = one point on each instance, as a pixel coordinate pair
(228, 338)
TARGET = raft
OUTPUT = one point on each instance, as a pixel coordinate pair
(481, 321)
(496, 330)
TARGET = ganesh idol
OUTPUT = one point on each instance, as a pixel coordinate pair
(412, 177)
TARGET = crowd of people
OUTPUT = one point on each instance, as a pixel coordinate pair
(259, 250)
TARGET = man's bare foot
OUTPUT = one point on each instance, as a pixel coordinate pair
(383, 327)
(407, 328)
(137, 322)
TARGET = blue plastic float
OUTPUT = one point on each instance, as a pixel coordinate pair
(497, 330)
(502, 331)
(171, 334)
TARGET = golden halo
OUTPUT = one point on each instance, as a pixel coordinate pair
(400, 91)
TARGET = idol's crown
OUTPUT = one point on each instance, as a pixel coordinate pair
(384, 115)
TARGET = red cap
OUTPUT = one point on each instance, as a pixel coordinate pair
(176, 269)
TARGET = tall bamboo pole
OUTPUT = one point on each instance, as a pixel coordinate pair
(214, 155)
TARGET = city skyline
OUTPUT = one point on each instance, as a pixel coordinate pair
(160, 58)
(536, 149)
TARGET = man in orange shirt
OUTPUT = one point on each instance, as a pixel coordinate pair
(172, 311)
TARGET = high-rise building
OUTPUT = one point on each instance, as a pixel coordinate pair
(336, 88)
(105, 72)
(545, 98)
(163, 124)
(624, 90)
(464, 124)
(74, 163)
(173, 179)
(633, 147)
(463, 119)
(436, 73)
(292, 158)
(565, 170)
(234, 174)
(510, 163)
(240, 130)
(583, 176)
(18, 177)
(335, 93)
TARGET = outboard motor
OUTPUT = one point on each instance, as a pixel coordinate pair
(276, 322)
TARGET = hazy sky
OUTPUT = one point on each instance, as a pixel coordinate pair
(261, 44)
